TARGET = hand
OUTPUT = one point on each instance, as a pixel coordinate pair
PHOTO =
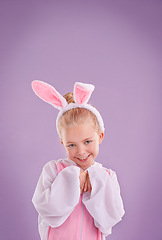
(82, 177)
(87, 185)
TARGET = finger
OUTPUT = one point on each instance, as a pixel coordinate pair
(86, 183)
(81, 189)
(82, 177)
(85, 186)
(89, 187)
(89, 184)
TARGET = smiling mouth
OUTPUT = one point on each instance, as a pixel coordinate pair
(84, 159)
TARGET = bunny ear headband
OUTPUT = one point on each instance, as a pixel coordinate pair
(81, 92)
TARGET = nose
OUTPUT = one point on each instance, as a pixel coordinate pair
(81, 150)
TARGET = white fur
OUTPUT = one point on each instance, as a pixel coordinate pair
(87, 87)
(86, 106)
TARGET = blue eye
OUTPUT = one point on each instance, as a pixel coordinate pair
(88, 142)
(71, 145)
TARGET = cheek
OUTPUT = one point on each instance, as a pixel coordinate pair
(97, 149)
(94, 148)
(70, 152)
(67, 151)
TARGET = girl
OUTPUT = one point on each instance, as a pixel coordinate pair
(76, 198)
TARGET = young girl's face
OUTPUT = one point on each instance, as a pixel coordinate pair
(82, 143)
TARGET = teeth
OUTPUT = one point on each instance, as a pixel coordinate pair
(83, 158)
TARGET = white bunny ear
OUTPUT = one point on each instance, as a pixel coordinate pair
(49, 94)
(82, 92)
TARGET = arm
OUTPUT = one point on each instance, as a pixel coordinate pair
(56, 195)
(104, 202)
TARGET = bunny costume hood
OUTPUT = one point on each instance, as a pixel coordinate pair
(81, 93)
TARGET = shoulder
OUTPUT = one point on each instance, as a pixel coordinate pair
(51, 166)
(108, 170)
(49, 172)
(53, 163)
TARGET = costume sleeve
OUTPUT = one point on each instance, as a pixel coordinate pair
(104, 203)
(55, 195)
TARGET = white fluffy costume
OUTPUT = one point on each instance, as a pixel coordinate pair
(64, 213)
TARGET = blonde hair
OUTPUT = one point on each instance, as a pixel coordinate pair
(76, 116)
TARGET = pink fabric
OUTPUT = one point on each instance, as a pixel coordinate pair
(70, 229)
(108, 172)
(61, 166)
(81, 95)
(47, 93)
(78, 226)
(90, 232)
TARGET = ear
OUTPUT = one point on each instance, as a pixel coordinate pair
(82, 92)
(101, 136)
(49, 94)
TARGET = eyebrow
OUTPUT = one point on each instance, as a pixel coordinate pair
(82, 141)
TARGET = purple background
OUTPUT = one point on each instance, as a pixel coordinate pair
(115, 45)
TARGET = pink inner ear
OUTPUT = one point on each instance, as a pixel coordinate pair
(81, 95)
(47, 93)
